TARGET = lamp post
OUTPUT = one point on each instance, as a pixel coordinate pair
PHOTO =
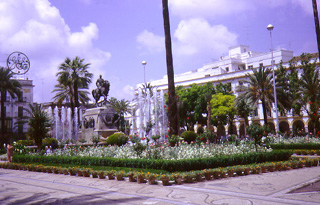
(144, 63)
(270, 28)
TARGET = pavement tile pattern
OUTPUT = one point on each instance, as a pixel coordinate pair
(24, 187)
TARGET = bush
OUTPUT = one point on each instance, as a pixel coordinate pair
(118, 138)
(200, 129)
(53, 142)
(168, 165)
(296, 146)
(189, 136)
(26, 142)
(174, 140)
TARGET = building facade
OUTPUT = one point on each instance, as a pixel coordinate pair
(14, 107)
(232, 69)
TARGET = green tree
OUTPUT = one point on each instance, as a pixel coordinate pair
(121, 107)
(73, 82)
(39, 123)
(208, 91)
(223, 109)
(191, 105)
(7, 84)
(310, 87)
(172, 106)
(260, 87)
(244, 108)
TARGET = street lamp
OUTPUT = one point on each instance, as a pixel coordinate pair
(144, 63)
(270, 28)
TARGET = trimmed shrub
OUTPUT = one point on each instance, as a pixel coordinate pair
(189, 136)
(118, 138)
(168, 165)
(51, 141)
(309, 146)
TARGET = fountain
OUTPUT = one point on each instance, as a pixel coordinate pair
(149, 106)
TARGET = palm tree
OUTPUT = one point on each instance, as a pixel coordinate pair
(316, 22)
(172, 107)
(121, 107)
(259, 87)
(39, 123)
(73, 79)
(244, 108)
(13, 88)
(310, 87)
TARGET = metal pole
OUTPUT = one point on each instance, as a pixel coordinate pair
(274, 83)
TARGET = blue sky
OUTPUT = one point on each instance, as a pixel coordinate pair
(115, 36)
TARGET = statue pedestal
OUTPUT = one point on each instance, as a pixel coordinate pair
(98, 122)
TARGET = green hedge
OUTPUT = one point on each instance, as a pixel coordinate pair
(295, 146)
(168, 165)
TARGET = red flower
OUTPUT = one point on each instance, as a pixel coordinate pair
(168, 108)
(310, 103)
(201, 138)
(166, 136)
(187, 118)
(169, 130)
(164, 106)
(143, 138)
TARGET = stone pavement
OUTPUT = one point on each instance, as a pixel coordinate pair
(23, 187)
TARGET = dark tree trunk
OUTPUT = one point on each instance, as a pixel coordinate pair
(316, 22)
(172, 107)
(264, 109)
(209, 116)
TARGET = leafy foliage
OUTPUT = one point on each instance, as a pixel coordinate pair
(223, 110)
(39, 124)
(118, 138)
(189, 136)
(7, 84)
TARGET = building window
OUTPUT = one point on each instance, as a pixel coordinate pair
(20, 111)
(229, 87)
(21, 97)
(20, 128)
(255, 112)
(227, 69)
(250, 66)
(240, 82)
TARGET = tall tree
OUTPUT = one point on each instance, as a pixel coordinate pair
(122, 108)
(39, 123)
(74, 79)
(244, 109)
(259, 87)
(223, 109)
(316, 22)
(7, 84)
(172, 108)
(310, 87)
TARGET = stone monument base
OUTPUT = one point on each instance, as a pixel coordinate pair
(98, 122)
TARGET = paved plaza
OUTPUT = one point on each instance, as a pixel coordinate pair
(24, 187)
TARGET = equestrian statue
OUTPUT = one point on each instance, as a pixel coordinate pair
(102, 89)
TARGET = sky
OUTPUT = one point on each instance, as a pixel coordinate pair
(115, 36)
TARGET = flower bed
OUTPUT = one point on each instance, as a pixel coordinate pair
(185, 177)
(163, 151)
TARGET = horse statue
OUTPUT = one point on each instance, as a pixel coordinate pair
(102, 89)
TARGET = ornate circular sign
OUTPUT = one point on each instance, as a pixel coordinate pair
(18, 63)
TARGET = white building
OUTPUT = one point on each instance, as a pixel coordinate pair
(232, 69)
(14, 107)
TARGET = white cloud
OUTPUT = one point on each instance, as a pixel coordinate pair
(37, 29)
(208, 8)
(150, 42)
(197, 38)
